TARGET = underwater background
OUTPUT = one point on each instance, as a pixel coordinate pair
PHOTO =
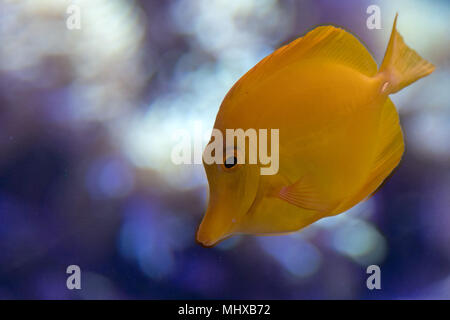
(88, 120)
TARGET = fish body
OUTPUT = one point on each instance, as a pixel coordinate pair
(339, 133)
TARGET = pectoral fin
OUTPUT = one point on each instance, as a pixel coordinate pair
(303, 194)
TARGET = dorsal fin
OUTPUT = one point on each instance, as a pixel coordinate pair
(337, 45)
(324, 42)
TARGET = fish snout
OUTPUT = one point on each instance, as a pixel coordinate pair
(214, 227)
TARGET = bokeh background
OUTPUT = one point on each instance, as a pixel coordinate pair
(87, 122)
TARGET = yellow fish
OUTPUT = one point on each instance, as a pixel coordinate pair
(339, 133)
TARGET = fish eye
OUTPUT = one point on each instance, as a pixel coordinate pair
(230, 162)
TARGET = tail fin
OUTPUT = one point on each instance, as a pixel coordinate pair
(402, 65)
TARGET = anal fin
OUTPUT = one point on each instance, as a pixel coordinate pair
(389, 152)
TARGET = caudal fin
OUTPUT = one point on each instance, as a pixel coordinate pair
(402, 65)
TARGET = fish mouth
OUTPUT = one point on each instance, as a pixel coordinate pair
(209, 243)
(208, 240)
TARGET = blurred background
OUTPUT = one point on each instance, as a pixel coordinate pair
(87, 122)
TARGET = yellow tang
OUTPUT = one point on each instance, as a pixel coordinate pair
(339, 133)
